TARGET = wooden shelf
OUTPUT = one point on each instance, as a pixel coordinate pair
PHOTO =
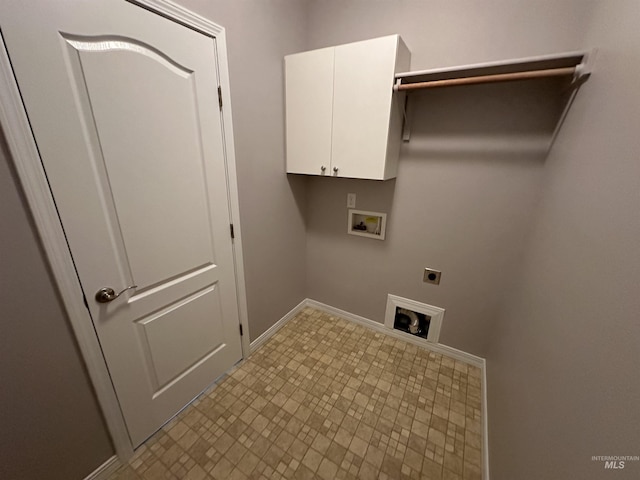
(570, 64)
(574, 66)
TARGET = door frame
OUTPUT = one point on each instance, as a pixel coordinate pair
(30, 171)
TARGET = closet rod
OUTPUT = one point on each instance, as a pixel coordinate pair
(500, 77)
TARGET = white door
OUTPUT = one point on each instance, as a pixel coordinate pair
(124, 108)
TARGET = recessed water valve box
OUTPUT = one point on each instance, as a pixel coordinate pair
(367, 224)
(431, 276)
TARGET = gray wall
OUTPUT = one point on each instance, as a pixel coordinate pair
(469, 179)
(563, 365)
(51, 423)
(557, 240)
(259, 35)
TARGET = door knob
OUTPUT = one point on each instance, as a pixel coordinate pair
(323, 168)
(335, 169)
(108, 294)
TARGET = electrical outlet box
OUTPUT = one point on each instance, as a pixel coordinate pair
(351, 200)
(431, 276)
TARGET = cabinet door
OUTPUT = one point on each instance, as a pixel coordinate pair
(309, 103)
(363, 87)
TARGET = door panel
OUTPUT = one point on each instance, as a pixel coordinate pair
(363, 89)
(143, 129)
(124, 109)
(181, 336)
(309, 97)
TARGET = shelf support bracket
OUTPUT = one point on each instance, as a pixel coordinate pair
(573, 91)
(583, 72)
(407, 115)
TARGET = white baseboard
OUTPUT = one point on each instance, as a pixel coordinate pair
(485, 424)
(277, 326)
(105, 470)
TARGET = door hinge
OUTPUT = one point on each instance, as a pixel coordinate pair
(241, 333)
(220, 96)
(233, 235)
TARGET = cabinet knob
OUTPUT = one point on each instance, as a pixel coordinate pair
(335, 169)
(323, 168)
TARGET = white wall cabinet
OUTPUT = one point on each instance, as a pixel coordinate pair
(343, 118)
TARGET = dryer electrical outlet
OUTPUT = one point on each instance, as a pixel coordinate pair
(431, 276)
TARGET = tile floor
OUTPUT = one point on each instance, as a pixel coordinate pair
(326, 399)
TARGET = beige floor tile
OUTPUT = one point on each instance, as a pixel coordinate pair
(326, 398)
